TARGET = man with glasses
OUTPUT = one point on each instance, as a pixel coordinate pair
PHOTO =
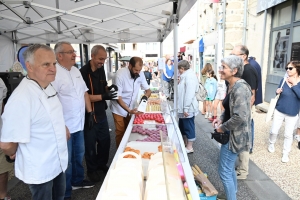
(34, 129)
(94, 77)
(72, 93)
(251, 77)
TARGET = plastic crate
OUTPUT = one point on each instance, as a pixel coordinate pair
(204, 197)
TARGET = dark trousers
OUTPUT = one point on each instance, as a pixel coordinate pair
(51, 190)
(97, 144)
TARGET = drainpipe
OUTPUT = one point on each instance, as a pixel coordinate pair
(263, 39)
(245, 21)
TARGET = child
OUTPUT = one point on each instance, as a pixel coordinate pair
(211, 88)
(203, 77)
(221, 93)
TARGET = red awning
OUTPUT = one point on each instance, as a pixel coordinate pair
(182, 49)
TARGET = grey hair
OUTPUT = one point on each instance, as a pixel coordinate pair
(233, 62)
(28, 54)
(184, 64)
(96, 49)
(59, 46)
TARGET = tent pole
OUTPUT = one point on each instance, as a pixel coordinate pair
(161, 49)
(175, 44)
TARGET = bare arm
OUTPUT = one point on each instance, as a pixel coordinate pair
(94, 98)
(125, 107)
(252, 97)
(148, 93)
(9, 148)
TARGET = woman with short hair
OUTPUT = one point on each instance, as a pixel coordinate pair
(287, 109)
(188, 106)
(235, 121)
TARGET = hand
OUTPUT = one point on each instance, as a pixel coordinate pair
(113, 87)
(109, 95)
(10, 159)
(186, 114)
(279, 90)
(144, 98)
(135, 112)
(216, 123)
(91, 119)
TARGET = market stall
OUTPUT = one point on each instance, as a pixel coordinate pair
(151, 160)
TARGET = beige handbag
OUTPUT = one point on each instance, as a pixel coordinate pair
(271, 108)
(272, 105)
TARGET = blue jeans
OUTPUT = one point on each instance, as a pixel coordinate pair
(227, 172)
(75, 170)
(187, 128)
(51, 190)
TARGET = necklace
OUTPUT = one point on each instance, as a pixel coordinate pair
(48, 96)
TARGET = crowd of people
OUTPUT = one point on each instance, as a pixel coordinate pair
(63, 119)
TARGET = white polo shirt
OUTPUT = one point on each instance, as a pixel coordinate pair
(71, 88)
(128, 89)
(36, 123)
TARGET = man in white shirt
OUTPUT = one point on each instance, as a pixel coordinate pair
(5, 166)
(72, 94)
(34, 129)
(129, 81)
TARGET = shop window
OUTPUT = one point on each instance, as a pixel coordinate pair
(297, 18)
(282, 14)
(279, 50)
(295, 48)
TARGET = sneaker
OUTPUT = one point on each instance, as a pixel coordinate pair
(209, 115)
(93, 176)
(241, 177)
(297, 137)
(271, 148)
(212, 118)
(285, 158)
(189, 150)
(84, 184)
(109, 129)
(206, 115)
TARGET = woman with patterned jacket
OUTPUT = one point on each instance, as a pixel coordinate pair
(235, 120)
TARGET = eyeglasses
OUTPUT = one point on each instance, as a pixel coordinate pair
(232, 54)
(69, 52)
(48, 96)
(289, 68)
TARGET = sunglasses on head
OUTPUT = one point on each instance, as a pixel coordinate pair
(289, 68)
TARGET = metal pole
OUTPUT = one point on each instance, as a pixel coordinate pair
(245, 21)
(223, 27)
(263, 39)
(161, 49)
(175, 42)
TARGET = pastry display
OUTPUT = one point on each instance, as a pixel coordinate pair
(156, 117)
(152, 133)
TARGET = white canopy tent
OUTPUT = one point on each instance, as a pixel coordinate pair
(89, 21)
